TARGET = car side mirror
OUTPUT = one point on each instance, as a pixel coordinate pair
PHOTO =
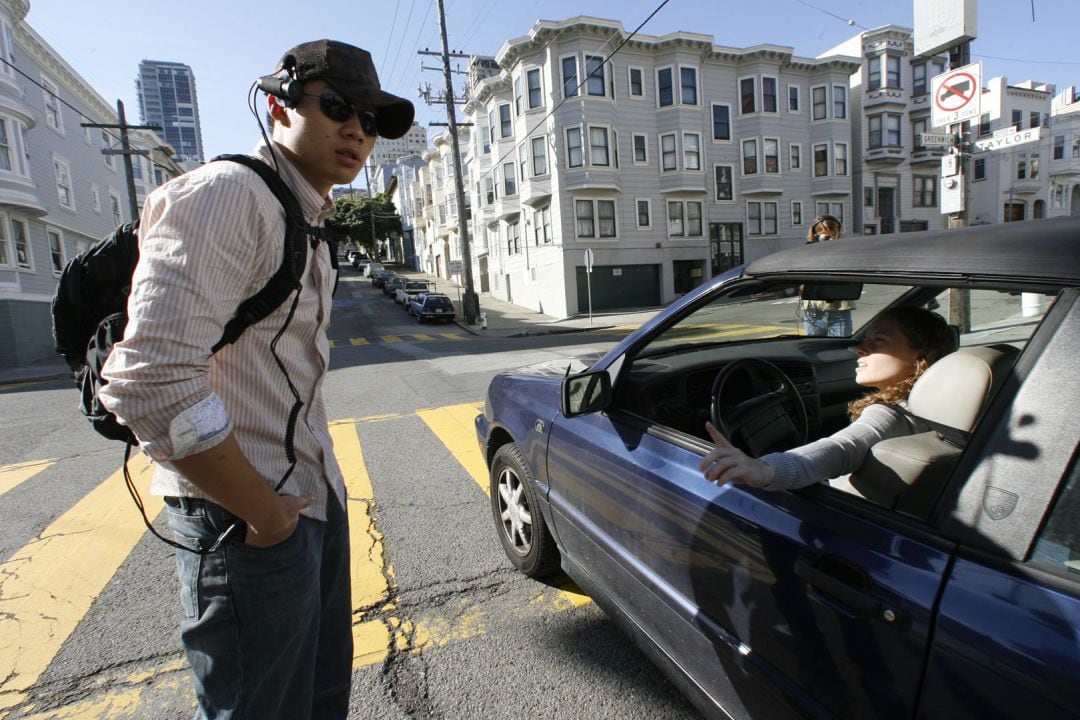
(585, 393)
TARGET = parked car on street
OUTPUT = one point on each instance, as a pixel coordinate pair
(372, 268)
(941, 579)
(390, 287)
(432, 306)
(408, 290)
(379, 279)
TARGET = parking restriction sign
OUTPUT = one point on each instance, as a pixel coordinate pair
(956, 95)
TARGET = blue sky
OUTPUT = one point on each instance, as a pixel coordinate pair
(229, 43)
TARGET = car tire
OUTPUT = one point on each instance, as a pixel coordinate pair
(519, 521)
(419, 318)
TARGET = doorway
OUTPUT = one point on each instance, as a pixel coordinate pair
(886, 202)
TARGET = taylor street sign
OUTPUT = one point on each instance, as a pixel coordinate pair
(936, 139)
(956, 95)
(1007, 139)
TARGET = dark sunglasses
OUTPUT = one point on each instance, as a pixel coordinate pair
(340, 110)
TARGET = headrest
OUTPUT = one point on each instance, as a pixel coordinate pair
(954, 390)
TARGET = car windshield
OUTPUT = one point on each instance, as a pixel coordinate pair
(414, 286)
(757, 312)
(437, 302)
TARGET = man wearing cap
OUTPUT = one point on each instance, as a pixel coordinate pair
(266, 617)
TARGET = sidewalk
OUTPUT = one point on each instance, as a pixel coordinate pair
(508, 320)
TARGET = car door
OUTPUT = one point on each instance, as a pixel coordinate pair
(776, 604)
(1007, 636)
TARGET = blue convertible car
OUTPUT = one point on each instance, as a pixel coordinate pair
(940, 580)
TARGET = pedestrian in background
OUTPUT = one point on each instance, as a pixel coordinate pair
(826, 317)
(266, 616)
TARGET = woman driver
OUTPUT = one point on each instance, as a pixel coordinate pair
(899, 345)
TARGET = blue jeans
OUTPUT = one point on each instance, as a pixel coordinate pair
(267, 631)
(831, 323)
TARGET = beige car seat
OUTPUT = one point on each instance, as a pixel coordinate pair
(908, 473)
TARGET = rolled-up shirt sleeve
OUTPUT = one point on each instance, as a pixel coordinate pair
(198, 259)
(837, 455)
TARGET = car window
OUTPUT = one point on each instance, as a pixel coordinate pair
(986, 317)
(438, 302)
(1058, 545)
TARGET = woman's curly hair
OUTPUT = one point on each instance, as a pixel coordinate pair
(926, 332)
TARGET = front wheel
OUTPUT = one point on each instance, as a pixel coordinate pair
(518, 519)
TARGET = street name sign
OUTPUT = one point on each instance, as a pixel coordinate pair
(456, 267)
(1008, 138)
(957, 94)
(936, 139)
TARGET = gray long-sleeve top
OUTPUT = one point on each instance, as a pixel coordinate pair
(840, 454)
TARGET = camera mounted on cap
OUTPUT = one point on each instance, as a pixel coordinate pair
(284, 85)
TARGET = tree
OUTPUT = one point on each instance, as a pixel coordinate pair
(353, 217)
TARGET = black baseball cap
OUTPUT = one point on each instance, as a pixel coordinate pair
(351, 72)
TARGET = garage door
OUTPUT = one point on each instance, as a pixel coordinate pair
(615, 287)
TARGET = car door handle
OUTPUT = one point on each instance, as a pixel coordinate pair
(825, 576)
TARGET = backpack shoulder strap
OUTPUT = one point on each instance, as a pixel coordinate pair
(287, 278)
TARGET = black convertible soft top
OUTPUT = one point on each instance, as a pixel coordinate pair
(1043, 251)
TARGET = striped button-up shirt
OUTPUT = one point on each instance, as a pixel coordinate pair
(208, 240)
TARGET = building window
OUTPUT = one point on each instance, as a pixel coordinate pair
(918, 79)
(1021, 166)
(532, 82)
(868, 197)
(1017, 119)
(924, 191)
(106, 145)
(114, 205)
(918, 127)
(821, 160)
(594, 70)
(505, 127)
(665, 89)
(724, 189)
(884, 130)
(95, 197)
(721, 122)
(675, 220)
(748, 95)
(840, 158)
(489, 188)
(595, 218)
(819, 102)
(892, 71)
(569, 76)
(513, 238)
(768, 95)
(644, 214)
(542, 225)
(20, 235)
(598, 146)
(51, 94)
(6, 151)
(574, 155)
(834, 209)
(8, 50)
(980, 169)
(5, 244)
(688, 85)
(668, 156)
(1033, 167)
(539, 156)
(637, 82)
(771, 153)
(1059, 147)
(873, 73)
(509, 181)
(641, 152)
(793, 98)
(691, 151)
(795, 156)
(63, 184)
(839, 99)
(761, 218)
(517, 95)
(523, 161)
(1034, 119)
(684, 218)
(56, 249)
(796, 213)
(749, 157)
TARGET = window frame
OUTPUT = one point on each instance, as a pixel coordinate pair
(509, 180)
(713, 122)
(26, 245)
(57, 265)
(765, 142)
(821, 166)
(53, 108)
(839, 101)
(687, 154)
(665, 153)
(797, 96)
(670, 70)
(608, 150)
(529, 89)
(570, 165)
(506, 124)
(644, 146)
(648, 212)
(761, 206)
(603, 78)
(795, 153)
(753, 142)
(533, 156)
(796, 214)
(742, 95)
(62, 168)
(924, 191)
(815, 104)
(775, 94)
(840, 157)
(696, 85)
(630, 81)
(718, 184)
(575, 91)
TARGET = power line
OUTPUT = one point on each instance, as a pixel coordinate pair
(390, 35)
(847, 21)
(404, 32)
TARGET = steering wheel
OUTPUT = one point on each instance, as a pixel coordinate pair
(757, 407)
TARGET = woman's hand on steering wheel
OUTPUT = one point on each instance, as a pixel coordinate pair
(727, 463)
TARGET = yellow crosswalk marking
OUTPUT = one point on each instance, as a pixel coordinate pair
(47, 586)
(454, 427)
(422, 337)
(390, 338)
(451, 336)
(358, 341)
(12, 475)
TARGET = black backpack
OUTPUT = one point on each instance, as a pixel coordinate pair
(89, 310)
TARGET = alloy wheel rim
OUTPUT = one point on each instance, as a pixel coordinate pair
(514, 512)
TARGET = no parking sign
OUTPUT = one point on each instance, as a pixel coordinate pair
(956, 95)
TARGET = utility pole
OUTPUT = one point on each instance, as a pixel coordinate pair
(127, 152)
(471, 302)
(960, 298)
